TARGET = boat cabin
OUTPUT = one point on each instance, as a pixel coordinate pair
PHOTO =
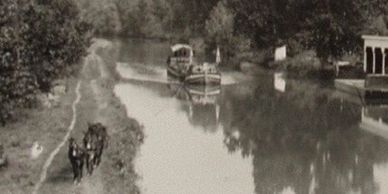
(180, 60)
(182, 52)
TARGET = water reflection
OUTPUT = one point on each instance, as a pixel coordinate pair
(280, 135)
(279, 82)
(202, 103)
(177, 156)
(304, 140)
(374, 118)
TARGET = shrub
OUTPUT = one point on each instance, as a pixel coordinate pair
(300, 65)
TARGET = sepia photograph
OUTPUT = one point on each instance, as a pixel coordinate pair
(193, 97)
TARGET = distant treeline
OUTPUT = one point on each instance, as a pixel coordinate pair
(330, 27)
(40, 41)
(147, 18)
(43, 40)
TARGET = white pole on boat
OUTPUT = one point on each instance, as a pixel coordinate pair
(217, 113)
(191, 111)
(191, 56)
(218, 56)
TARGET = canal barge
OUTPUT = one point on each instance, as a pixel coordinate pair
(182, 65)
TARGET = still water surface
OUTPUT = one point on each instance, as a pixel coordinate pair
(261, 135)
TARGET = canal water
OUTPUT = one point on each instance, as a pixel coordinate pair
(265, 134)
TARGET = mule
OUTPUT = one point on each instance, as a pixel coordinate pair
(102, 140)
(76, 156)
(95, 140)
(90, 144)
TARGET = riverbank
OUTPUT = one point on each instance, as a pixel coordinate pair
(48, 126)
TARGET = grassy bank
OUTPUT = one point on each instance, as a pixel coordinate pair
(126, 135)
(302, 65)
(47, 126)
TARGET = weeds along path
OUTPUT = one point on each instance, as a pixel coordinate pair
(62, 143)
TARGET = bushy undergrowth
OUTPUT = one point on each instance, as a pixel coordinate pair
(40, 41)
(301, 65)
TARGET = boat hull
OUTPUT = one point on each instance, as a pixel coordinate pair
(204, 90)
(204, 79)
(175, 73)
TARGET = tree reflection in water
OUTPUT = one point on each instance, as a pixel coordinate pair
(305, 138)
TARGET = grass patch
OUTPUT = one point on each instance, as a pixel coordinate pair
(46, 126)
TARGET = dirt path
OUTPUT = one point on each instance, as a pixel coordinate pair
(92, 184)
(95, 102)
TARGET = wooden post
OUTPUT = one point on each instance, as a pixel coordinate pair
(217, 113)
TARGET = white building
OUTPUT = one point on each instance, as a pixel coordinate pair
(375, 54)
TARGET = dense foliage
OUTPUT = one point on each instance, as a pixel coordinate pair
(331, 28)
(40, 41)
(148, 18)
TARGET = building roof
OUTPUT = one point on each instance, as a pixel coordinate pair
(180, 46)
(374, 37)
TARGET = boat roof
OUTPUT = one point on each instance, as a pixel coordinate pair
(180, 46)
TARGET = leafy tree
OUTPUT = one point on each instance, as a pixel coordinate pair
(40, 41)
(123, 8)
(335, 28)
(160, 23)
(17, 84)
(61, 41)
(220, 25)
(142, 17)
(197, 12)
(331, 27)
(220, 29)
(103, 16)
